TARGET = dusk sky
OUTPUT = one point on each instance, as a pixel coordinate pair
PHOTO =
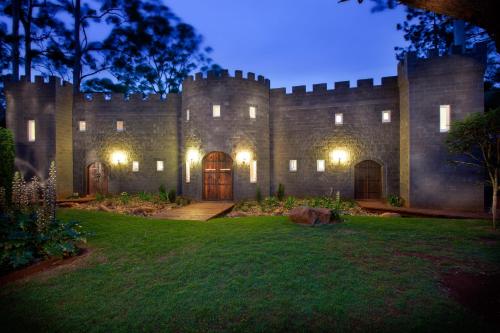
(297, 42)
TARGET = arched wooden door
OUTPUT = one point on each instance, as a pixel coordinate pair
(97, 178)
(368, 180)
(217, 176)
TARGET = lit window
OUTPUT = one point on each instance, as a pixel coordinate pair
(120, 126)
(293, 165)
(188, 171)
(159, 165)
(386, 116)
(82, 126)
(253, 171)
(320, 165)
(216, 111)
(339, 119)
(187, 115)
(252, 111)
(31, 130)
(444, 118)
(135, 166)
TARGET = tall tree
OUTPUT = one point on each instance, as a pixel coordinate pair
(16, 8)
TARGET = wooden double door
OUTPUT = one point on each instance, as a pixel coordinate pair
(368, 180)
(97, 178)
(217, 177)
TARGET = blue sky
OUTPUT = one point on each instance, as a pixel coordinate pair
(295, 42)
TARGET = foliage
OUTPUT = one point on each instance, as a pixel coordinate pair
(270, 203)
(162, 191)
(182, 201)
(395, 200)
(290, 202)
(258, 195)
(124, 198)
(172, 195)
(7, 156)
(99, 197)
(475, 141)
(145, 196)
(281, 192)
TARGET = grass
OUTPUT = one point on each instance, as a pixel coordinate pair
(254, 274)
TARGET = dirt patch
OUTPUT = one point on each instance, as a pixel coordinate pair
(43, 266)
(478, 292)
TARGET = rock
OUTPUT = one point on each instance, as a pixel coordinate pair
(66, 204)
(104, 208)
(237, 214)
(143, 211)
(310, 216)
(389, 214)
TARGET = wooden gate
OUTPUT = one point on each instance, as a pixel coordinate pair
(97, 178)
(368, 180)
(217, 176)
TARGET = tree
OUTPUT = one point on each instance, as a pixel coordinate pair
(7, 156)
(477, 140)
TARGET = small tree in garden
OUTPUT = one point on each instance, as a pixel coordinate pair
(7, 156)
(477, 138)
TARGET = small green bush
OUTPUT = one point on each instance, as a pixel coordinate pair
(99, 197)
(395, 200)
(124, 198)
(172, 195)
(290, 202)
(270, 203)
(162, 192)
(258, 195)
(7, 156)
(145, 196)
(281, 192)
(181, 201)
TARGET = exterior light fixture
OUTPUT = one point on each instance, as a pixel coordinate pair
(339, 156)
(243, 157)
(118, 157)
(192, 156)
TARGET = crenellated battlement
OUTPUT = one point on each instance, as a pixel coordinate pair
(100, 97)
(224, 74)
(387, 82)
(39, 81)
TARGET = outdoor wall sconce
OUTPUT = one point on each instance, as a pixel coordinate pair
(339, 156)
(118, 157)
(243, 157)
(192, 156)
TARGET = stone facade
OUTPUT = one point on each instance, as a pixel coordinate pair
(297, 126)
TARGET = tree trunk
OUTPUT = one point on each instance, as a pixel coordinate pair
(28, 54)
(77, 65)
(15, 38)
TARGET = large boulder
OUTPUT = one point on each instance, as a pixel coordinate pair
(310, 216)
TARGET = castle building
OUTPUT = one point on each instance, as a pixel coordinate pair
(227, 136)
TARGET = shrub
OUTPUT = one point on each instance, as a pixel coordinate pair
(181, 201)
(124, 198)
(7, 156)
(145, 196)
(99, 197)
(290, 202)
(258, 195)
(395, 200)
(172, 195)
(281, 192)
(162, 192)
(270, 203)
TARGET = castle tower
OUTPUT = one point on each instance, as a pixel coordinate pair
(434, 92)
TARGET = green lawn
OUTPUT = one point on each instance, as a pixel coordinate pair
(255, 274)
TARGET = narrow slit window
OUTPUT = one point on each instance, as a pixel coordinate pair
(159, 166)
(444, 118)
(187, 115)
(386, 116)
(82, 126)
(135, 166)
(293, 165)
(31, 131)
(216, 111)
(120, 126)
(188, 172)
(339, 119)
(253, 171)
(252, 112)
(320, 165)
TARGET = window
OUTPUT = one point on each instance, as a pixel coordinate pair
(252, 111)
(188, 171)
(253, 171)
(386, 116)
(216, 111)
(339, 119)
(135, 166)
(31, 130)
(159, 165)
(187, 115)
(320, 165)
(82, 126)
(120, 126)
(444, 118)
(293, 165)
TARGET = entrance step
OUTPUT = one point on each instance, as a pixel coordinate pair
(200, 211)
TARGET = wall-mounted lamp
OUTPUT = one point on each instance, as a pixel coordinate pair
(243, 157)
(339, 156)
(192, 156)
(118, 157)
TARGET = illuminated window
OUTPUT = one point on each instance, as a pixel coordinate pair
(159, 165)
(252, 112)
(187, 115)
(188, 171)
(339, 119)
(120, 127)
(82, 126)
(444, 118)
(216, 111)
(386, 116)
(320, 165)
(253, 171)
(135, 166)
(31, 130)
(293, 165)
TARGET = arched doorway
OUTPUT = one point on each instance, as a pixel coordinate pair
(97, 178)
(217, 176)
(368, 180)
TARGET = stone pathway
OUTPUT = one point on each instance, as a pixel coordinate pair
(200, 211)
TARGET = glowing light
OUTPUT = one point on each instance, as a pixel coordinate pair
(118, 157)
(339, 156)
(243, 157)
(192, 156)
